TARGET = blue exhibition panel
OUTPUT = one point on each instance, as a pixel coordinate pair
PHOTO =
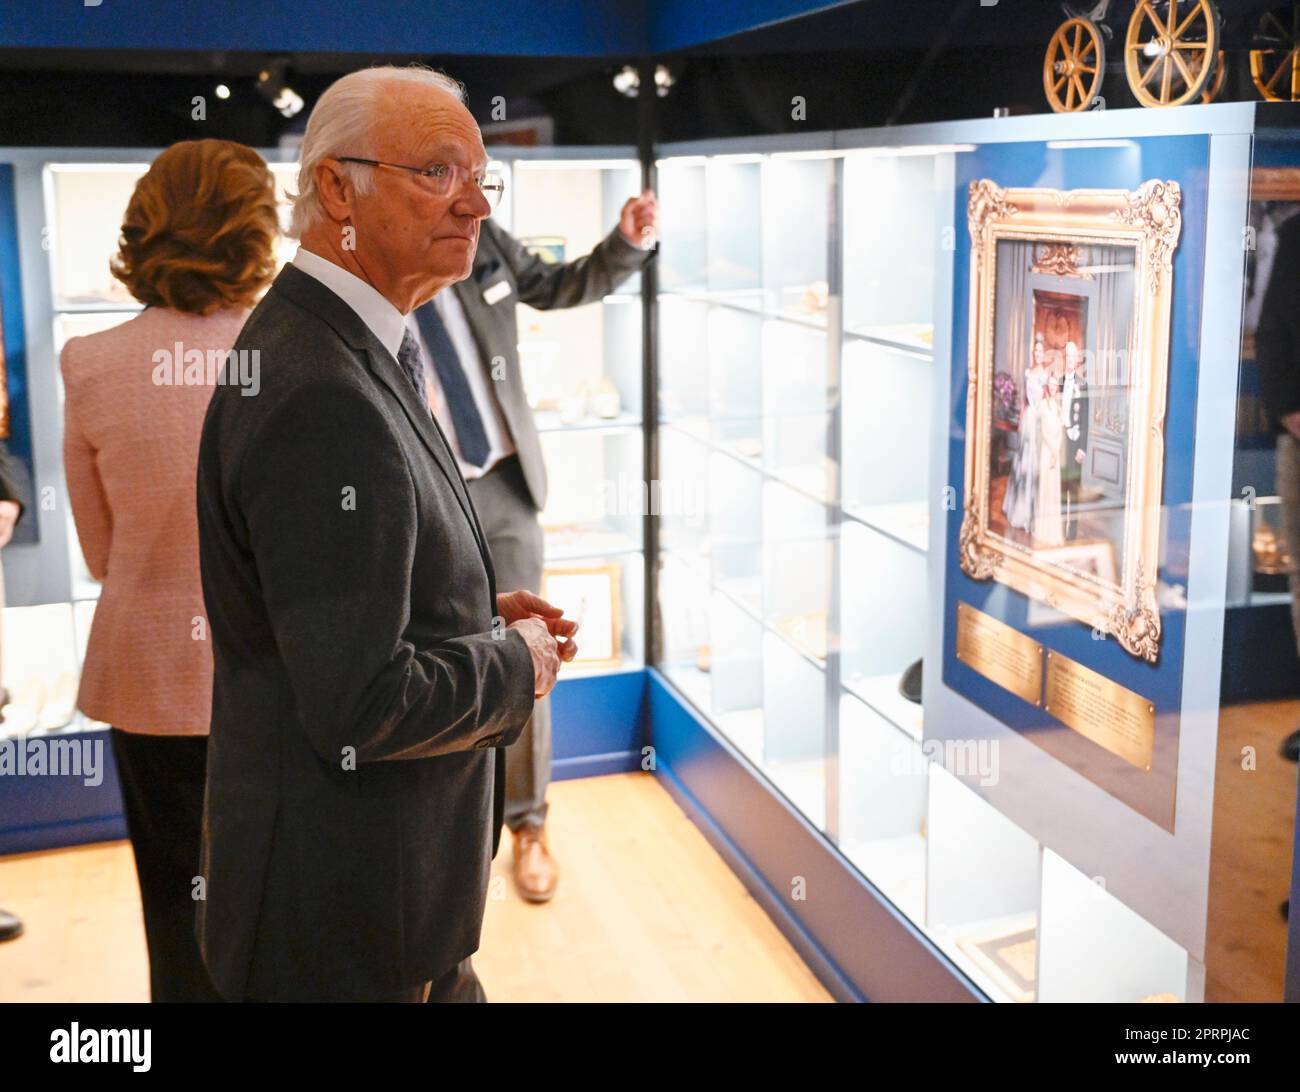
(561, 28)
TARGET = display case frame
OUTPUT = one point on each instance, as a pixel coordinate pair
(1161, 876)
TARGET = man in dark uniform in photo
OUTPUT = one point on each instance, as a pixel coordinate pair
(1074, 412)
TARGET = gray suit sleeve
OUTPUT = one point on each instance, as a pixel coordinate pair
(336, 580)
(544, 285)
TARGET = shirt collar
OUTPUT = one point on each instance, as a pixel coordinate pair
(384, 320)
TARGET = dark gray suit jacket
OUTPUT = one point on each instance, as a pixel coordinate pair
(360, 698)
(502, 259)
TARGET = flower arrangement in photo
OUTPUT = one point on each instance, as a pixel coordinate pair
(1006, 406)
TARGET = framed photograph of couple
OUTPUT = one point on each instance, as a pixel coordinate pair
(1070, 300)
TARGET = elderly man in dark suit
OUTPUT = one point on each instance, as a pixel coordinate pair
(485, 415)
(367, 674)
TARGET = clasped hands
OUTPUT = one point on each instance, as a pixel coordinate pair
(548, 634)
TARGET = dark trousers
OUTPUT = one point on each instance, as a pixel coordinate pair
(460, 985)
(162, 787)
(505, 509)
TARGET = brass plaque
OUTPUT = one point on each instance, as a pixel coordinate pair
(1098, 708)
(1001, 654)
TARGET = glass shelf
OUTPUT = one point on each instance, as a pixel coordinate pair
(575, 358)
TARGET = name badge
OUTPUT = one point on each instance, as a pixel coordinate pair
(497, 292)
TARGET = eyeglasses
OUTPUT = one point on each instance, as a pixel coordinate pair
(446, 178)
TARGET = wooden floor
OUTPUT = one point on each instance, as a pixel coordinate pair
(645, 911)
(1250, 854)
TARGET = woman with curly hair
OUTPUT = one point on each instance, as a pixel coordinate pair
(197, 249)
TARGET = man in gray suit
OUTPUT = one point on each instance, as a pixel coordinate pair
(367, 675)
(485, 415)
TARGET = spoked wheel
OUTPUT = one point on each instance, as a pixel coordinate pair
(1074, 65)
(1276, 68)
(1170, 50)
(1220, 77)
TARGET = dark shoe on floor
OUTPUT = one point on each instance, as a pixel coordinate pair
(536, 873)
(1286, 910)
(910, 684)
(1291, 747)
(10, 927)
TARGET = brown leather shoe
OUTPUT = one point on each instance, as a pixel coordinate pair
(535, 870)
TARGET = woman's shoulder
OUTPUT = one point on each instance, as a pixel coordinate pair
(153, 329)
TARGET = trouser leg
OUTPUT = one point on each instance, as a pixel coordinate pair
(515, 540)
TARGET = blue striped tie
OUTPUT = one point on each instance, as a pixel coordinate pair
(471, 437)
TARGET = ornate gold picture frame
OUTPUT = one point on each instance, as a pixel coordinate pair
(1086, 292)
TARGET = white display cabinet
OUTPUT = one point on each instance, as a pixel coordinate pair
(561, 209)
(881, 580)
(682, 621)
(582, 373)
(883, 796)
(796, 372)
(982, 888)
(1094, 948)
(746, 389)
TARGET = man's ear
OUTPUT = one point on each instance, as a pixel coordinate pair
(335, 189)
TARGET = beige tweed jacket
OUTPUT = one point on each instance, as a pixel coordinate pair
(130, 451)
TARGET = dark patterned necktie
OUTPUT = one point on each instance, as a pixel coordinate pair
(408, 356)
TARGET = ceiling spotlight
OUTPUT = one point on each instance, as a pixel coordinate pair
(271, 84)
(663, 80)
(222, 91)
(628, 82)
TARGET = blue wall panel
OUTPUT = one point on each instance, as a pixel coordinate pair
(556, 28)
(599, 725)
(42, 812)
(678, 24)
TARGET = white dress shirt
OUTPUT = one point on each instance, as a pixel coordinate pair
(385, 320)
(500, 443)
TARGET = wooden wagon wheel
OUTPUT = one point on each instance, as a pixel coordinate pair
(1276, 71)
(1170, 50)
(1220, 77)
(1074, 65)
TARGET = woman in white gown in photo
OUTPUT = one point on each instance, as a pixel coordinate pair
(1049, 528)
(1022, 482)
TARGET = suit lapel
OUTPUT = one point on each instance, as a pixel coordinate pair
(493, 336)
(307, 292)
(430, 432)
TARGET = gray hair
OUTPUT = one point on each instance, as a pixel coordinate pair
(341, 124)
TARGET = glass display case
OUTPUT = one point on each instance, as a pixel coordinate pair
(1007, 725)
(582, 373)
(582, 370)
